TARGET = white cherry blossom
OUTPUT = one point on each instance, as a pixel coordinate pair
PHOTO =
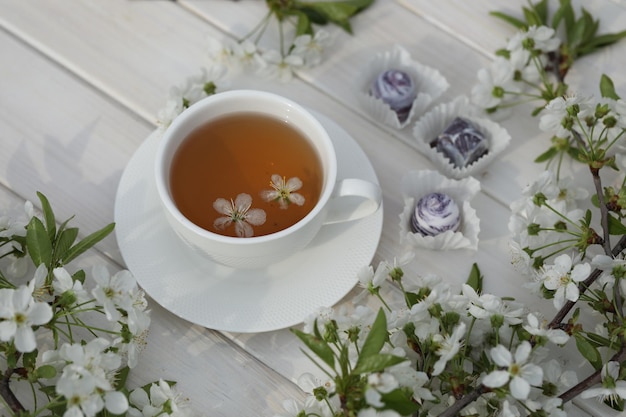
(517, 371)
(561, 278)
(240, 213)
(283, 191)
(19, 312)
(494, 82)
(310, 48)
(537, 328)
(612, 389)
(113, 291)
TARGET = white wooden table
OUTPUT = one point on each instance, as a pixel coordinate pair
(82, 82)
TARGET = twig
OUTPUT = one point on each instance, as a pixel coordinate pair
(592, 379)
(455, 408)
(595, 274)
(604, 212)
(6, 393)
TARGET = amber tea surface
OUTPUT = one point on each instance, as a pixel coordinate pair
(239, 154)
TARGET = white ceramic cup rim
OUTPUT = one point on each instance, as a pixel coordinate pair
(162, 161)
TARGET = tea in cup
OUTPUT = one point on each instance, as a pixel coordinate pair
(247, 178)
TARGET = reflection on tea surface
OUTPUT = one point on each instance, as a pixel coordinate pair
(246, 154)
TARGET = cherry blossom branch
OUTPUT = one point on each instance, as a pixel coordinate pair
(592, 379)
(8, 395)
(456, 408)
(604, 212)
(560, 315)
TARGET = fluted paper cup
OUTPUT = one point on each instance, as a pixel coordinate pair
(417, 184)
(433, 123)
(429, 83)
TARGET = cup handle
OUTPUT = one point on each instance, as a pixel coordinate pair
(353, 199)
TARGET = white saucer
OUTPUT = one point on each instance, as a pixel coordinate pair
(226, 299)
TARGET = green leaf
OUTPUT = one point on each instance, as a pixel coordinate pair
(519, 24)
(338, 13)
(568, 16)
(598, 341)
(376, 338)
(79, 276)
(607, 88)
(401, 402)
(38, 242)
(475, 279)
(303, 26)
(531, 17)
(557, 17)
(317, 346)
(615, 226)
(595, 43)
(537, 110)
(376, 363)
(66, 239)
(588, 351)
(87, 243)
(595, 200)
(591, 26)
(48, 215)
(547, 155)
(29, 359)
(577, 33)
(46, 372)
(541, 11)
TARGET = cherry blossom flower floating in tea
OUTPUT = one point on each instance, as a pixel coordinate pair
(240, 213)
(283, 191)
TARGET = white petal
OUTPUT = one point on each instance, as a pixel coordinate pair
(294, 184)
(256, 217)
(558, 336)
(564, 262)
(64, 279)
(243, 229)
(296, 198)
(243, 202)
(501, 356)
(25, 339)
(532, 321)
(222, 222)
(559, 298)
(7, 330)
(522, 352)
(269, 195)
(40, 313)
(520, 388)
(223, 206)
(22, 297)
(101, 275)
(595, 392)
(277, 180)
(115, 402)
(571, 292)
(496, 379)
(581, 272)
(139, 398)
(533, 374)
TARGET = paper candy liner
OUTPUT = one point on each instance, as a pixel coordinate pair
(429, 83)
(415, 185)
(430, 125)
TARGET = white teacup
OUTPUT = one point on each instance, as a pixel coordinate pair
(265, 250)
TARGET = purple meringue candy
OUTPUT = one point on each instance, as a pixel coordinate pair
(435, 213)
(397, 89)
(461, 142)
